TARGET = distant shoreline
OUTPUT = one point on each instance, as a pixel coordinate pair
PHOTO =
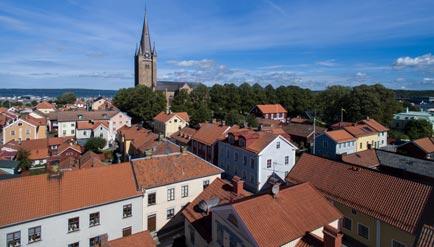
(51, 92)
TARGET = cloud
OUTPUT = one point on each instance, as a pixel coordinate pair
(204, 63)
(424, 60)
(327, 63)
(360, 74)
(428, 80)
(13, 23)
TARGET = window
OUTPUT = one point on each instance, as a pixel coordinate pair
(27, 132)
(73, 224)
(286, 160)
(361, 145)
(152, 199)
(126, 231)
(127, 210)
(184, 191)
(175, 120)
(76, 244)
(236, 156)
(170, 213)
(245, 160)
(73, 132)
(363, 231)
(171, 194)
(12, 132)
(20, 124)
(396, 243)
(34, 234)
(64, 132)
(72, 124)
(277, 145)
(339, 145)
(84, 132)
(252, 163)
(95, 241)
(205, 183)
(13, 239)
(94, 219)
(346, 223)
(269, 163)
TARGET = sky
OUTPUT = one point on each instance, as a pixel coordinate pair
(308, 43)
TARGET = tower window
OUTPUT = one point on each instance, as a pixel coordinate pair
(147, 66)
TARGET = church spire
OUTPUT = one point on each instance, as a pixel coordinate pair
(145, 42)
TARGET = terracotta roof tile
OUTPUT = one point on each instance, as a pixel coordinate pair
(271, 108)
(81, 115)
(141, 239)
(396, 201)
(209, 133)
(360, 130)
(36, 121)
(278, 221)
(40, 196)
(310, 240)
(426, 238)
(184, 135)
(426, 144)
(168, 169)
(219, 188)
(302, 130)
(340, 136)
(164, 117)
(367, 158)
(375, 125)
(45, 105)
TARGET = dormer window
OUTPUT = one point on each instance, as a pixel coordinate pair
(242, 142)
(231, 138)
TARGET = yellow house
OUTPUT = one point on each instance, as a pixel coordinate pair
(379, 209)
(167, 123)
(366, 136)
(28, 128)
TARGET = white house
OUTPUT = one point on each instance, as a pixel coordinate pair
(169, 182)
(66, 128)
(255, 156)
(167, 123)
(59, 211)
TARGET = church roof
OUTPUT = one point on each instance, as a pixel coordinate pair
(174, 85)
(145, 41)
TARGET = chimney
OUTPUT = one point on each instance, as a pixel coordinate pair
(238, 185)
(332, 237)
(406, 110)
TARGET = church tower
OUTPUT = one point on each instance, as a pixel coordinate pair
(145, 60)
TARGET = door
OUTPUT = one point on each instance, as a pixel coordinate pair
(152, 222)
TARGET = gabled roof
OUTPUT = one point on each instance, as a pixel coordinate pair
(36, 121)
(45, 105)
(360, 130)
(302, 130)
(396, 201)
(65, 146)
(426, 237)
(375, 125)
(426, 144)
(164, 117)
(340, 136)
(66, 116)
(220, 189)
(39, 196)
(367, 158)
(140, 239)
(209, 133)
(168, 169)
(271, 108)
(183, 135)
(278, 221)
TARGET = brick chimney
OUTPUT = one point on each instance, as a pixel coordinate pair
(332, 237)
(238, 185)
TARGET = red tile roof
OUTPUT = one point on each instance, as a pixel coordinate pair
(39, 196)
(271, 108)
(219, 188)
(209, 133)
(184, 135)
(426, 144)
(426, 238)
(375, 125)
(164, 117)
(35, 121)
(340, 136)
(310, 240)
(168, 169)
(360, 130)
(45, 105)
(340, 125)
(367, 158)
(396, 201)
(141, 239)
(278, 221)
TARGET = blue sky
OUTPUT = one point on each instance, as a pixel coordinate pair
(312, 44)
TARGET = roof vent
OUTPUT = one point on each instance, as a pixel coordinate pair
(275, 190)
(206, 205)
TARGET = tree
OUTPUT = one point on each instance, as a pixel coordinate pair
(200, 114)
(217, 102)
(251, 121)
(247, 96)
(141, 103)
(330, 102)
(66, 98)
(95, 144)
(270, 94)
(23, 158)
(420, 128)
(234, 117)
(182, 102)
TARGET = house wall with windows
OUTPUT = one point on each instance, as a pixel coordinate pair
(83, 134)
(67, 128)
(103, 132)
(326, 147)
(382, 139)
(379, 233)
(256, 168)
(364, 142)
(54, 229)
(116, 122)
(19, 130)
(164, 201)
(170, 126)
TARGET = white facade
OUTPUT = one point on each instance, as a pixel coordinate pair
(102, 132)
(277, 157)
(163, 204)
(382, 139)
(83, 134)
(54, 229)
(116, 122)
(66, 128)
